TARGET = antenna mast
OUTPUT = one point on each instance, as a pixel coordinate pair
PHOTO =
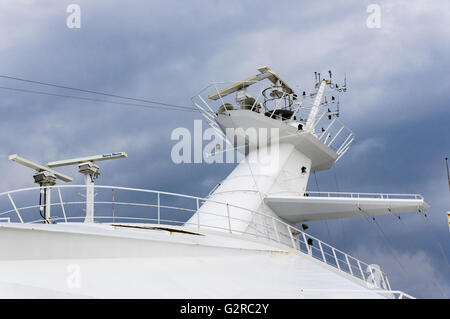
(448, 175)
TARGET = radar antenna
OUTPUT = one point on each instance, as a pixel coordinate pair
(44, 176)
(88, 167)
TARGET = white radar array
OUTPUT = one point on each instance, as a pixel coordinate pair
(88, 167)
(46, 177)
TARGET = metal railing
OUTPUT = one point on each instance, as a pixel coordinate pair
(332, 133)
(364, 195)
(397, 294)
(122, 204)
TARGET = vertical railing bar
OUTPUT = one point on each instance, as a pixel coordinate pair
(305, 241)
(332, 122)
(318, 120)
(290, 235)
(207, 105)
(296, 110)
(339, 132)
(344, 145)
(335, 258)
(62, 205)
(360, 269)
(349, 265)
(113, 206)
(321, 250)
(159, 209)
(15, 208)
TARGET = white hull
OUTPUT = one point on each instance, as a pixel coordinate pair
(41, 261)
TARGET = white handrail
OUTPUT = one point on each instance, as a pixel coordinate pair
(282, 234)
(366, 195)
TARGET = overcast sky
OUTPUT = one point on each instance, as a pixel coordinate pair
(397, 103)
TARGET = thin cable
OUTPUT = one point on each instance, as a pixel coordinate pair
(438, 242)
(93, 92)
(389, 244)
(434, 278)
(173, 108)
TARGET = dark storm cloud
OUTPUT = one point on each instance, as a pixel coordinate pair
(397, 102)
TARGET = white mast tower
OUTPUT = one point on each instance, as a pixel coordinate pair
(273, 175)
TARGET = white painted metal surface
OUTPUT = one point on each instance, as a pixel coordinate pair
(321, 206)
(104, 261)
(39, 168)
(310, 123)
(95, 158)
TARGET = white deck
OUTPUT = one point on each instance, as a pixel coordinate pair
(117, 262)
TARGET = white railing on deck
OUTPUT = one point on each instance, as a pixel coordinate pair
(364, 195)
(335, 135)
(171, 209)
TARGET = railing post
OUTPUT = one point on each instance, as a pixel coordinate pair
(159, 209)
(113, 206)
(229, 221)
(335, 136)
(275, 229)
(290, 235)
(336, 259)
(62, 205)
(360, 269)
(48, 203)
(348, 264)
(321, 250)
(15, 208)
(305, 241)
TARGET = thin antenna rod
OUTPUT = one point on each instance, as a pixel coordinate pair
(448, 175)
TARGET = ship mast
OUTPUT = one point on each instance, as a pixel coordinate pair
(273, 176)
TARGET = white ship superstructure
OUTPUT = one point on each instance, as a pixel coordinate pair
(242, 241)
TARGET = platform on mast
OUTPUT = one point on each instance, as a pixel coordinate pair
(323, 205)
